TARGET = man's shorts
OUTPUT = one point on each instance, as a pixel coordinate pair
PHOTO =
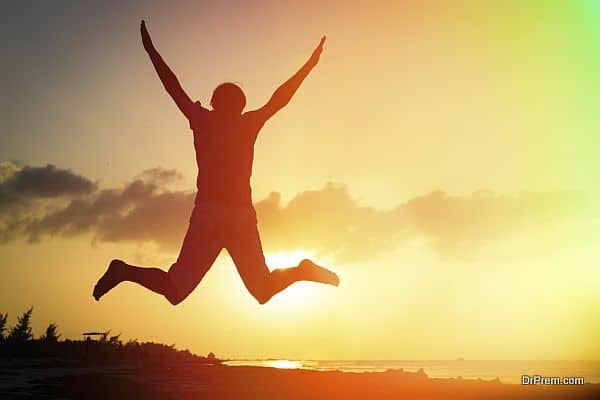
(214, 227)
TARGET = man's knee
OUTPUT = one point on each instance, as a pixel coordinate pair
(262, 299)
(261, 294)
(173, 299)
(173, 295)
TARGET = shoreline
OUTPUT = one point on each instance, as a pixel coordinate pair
(507, 371)
(197, 381)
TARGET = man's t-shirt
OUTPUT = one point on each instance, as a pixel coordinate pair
(224, 155)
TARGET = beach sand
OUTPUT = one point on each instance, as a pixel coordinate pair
(196, 381)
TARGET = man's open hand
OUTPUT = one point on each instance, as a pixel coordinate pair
(317, 52)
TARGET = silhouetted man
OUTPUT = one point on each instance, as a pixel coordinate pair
(223, 215)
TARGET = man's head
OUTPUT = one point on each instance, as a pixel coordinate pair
(228, 98)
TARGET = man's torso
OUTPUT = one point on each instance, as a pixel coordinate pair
(224, 155)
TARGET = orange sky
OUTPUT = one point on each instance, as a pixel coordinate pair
(461, 143)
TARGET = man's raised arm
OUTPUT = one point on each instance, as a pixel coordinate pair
(284, 93)
(167, 77)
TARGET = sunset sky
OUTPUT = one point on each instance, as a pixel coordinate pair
(442, 158)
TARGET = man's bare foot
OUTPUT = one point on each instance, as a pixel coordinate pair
(316, 273)
(111, 278)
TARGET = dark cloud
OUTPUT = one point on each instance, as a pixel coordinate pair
(142, 210)
(328, 220)
(20, 185)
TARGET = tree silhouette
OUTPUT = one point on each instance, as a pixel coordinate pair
(3, 318)
(107, 349)
(21, 332)
(51, 334)
(114, 340)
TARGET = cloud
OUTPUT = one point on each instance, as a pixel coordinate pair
(328, 220)
(25, 191)
(142, 210)
(21, 186)
(41, 182)
(459, 225)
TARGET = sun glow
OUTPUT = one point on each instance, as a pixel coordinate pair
(285, 259)
(285, 364)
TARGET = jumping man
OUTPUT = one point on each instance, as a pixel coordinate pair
(223, 215)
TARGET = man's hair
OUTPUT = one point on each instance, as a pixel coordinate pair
(228, 97)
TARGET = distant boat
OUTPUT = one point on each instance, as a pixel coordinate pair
(460, 359)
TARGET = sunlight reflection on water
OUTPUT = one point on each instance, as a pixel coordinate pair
(284, 364)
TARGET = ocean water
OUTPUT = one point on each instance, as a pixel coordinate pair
(507, 371)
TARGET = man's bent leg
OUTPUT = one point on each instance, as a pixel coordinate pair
(198, 251)
(200, 248)
(246, 251)
(305, 271)
(153, 279)
(281, 278)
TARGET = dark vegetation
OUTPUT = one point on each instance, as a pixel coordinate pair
(106, 368)
(18, 342)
